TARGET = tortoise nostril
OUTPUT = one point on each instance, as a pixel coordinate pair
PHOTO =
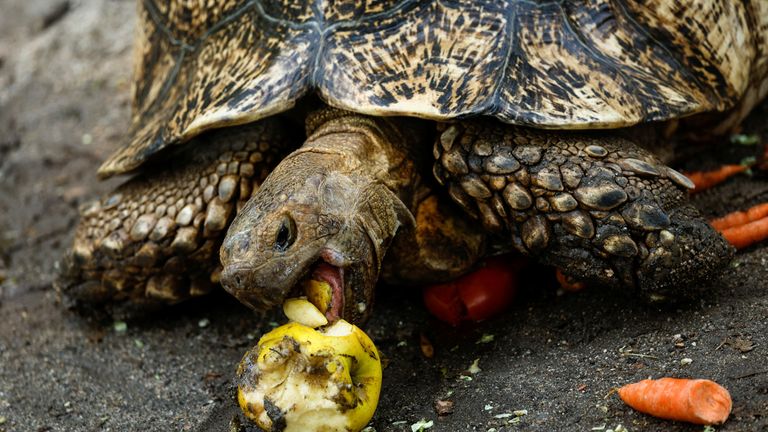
(238, 281)
(235, 246)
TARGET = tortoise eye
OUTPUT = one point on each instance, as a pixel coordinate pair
(286, 234)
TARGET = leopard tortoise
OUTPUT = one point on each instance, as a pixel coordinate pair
(434, 133)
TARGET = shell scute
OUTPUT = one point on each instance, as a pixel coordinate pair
(564, 65)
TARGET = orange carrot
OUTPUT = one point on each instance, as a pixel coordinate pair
(740, 217)
(744, 235)
(706, 179)
(568, 283)
(696, 401)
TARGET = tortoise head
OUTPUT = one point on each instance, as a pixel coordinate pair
(310, 219)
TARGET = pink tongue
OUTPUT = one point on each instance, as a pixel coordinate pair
(332, 275)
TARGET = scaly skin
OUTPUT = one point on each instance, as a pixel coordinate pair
(341, 198)
(155, 239)
(595, 205)
(599, 207)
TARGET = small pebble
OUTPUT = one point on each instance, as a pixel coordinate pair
(427, 350)
(443, 407)
(203, 323)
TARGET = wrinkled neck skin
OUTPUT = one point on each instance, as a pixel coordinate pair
(332, 207)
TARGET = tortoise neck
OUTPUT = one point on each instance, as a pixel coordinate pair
(354, 144)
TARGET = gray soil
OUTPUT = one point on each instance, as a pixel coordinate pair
(65, 71)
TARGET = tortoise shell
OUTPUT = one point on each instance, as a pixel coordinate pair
(568, 64)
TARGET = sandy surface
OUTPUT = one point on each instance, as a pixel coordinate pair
(64, 105)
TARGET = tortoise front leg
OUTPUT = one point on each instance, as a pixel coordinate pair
(443, 245)
(156, 238)
(596, 206)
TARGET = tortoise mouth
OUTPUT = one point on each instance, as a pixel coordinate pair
(243, 281)
(333, 275)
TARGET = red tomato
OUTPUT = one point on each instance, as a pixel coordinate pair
(475, 296)
(443, 302)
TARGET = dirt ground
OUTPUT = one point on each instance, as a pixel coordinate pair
(65, 70)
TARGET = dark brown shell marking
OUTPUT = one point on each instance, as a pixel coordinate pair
(550, 64)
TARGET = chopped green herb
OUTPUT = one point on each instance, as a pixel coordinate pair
(421, 425)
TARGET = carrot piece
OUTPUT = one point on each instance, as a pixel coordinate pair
(706, 179)
(568, 283)
(696, 401)
(744, 235)
(740, 217)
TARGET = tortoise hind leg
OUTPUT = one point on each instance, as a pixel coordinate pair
(596, 206)
(156, 238)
